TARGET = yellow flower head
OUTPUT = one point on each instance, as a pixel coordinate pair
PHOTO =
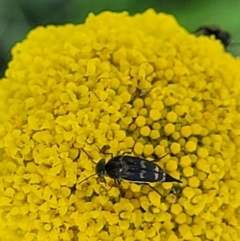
(139, 83)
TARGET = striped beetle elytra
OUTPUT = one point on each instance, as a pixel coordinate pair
(131, 168)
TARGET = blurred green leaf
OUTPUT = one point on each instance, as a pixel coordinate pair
(20, 16)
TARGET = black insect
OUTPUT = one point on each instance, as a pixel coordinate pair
(133, 169)
(219, 34)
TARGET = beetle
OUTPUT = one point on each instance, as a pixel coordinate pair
(219, 34)
(133, 169)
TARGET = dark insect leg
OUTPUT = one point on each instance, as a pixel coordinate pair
(86, 178)
(126, 152)
(117, 182)
(104, 187)
(77, 157)
(110, 188)
(161, 157)
(101, 150)
(104, 149)
(90, 143)
(153, 188)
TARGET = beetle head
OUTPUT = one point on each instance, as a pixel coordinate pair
(100, 168)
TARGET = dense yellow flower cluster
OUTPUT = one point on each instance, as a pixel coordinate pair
(140, 83)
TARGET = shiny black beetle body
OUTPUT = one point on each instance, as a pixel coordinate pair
(130, 168)
(133, 169)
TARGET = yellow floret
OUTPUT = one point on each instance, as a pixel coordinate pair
(115, 83)
(138, 148)
(140, 121)
(188, 171)
(164, 143)
(180, 110)
(138, 103)
(156, 126)
(206, 140)
(185, 161)
(145, 131)
(167, 185)
(159, 150)
(185, 231)
(181, 218)
(154, 198)
(202, 152)
(207, 184)
(148, 150)
(176, 135)
(169, 129)
(155, 115)
(196, 230)
(163, 207)
(135, 188)
(139, 235)
(193, 182)
(175, 148)
(203, 165)
(186, 131)
(202, 175)
(196, 129)
(143, 112)
(157, 105)
(129, 141)
(154, 134)
(171, 165)
(191, 146)
(168, 74)
(172, 116)
(148, 101)
(176, 208)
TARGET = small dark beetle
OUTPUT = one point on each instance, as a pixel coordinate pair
(133, 169)
(219, 34)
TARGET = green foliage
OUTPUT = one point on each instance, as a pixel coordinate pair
(19, 16)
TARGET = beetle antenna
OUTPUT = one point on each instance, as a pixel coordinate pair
(88, 156)
(87, 178)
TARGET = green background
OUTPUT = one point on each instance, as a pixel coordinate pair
(18, 17)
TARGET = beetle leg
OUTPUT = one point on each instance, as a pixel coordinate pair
(104, 149)
(161, 157)
(110, 188)
(117, 182)
(153, 188)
